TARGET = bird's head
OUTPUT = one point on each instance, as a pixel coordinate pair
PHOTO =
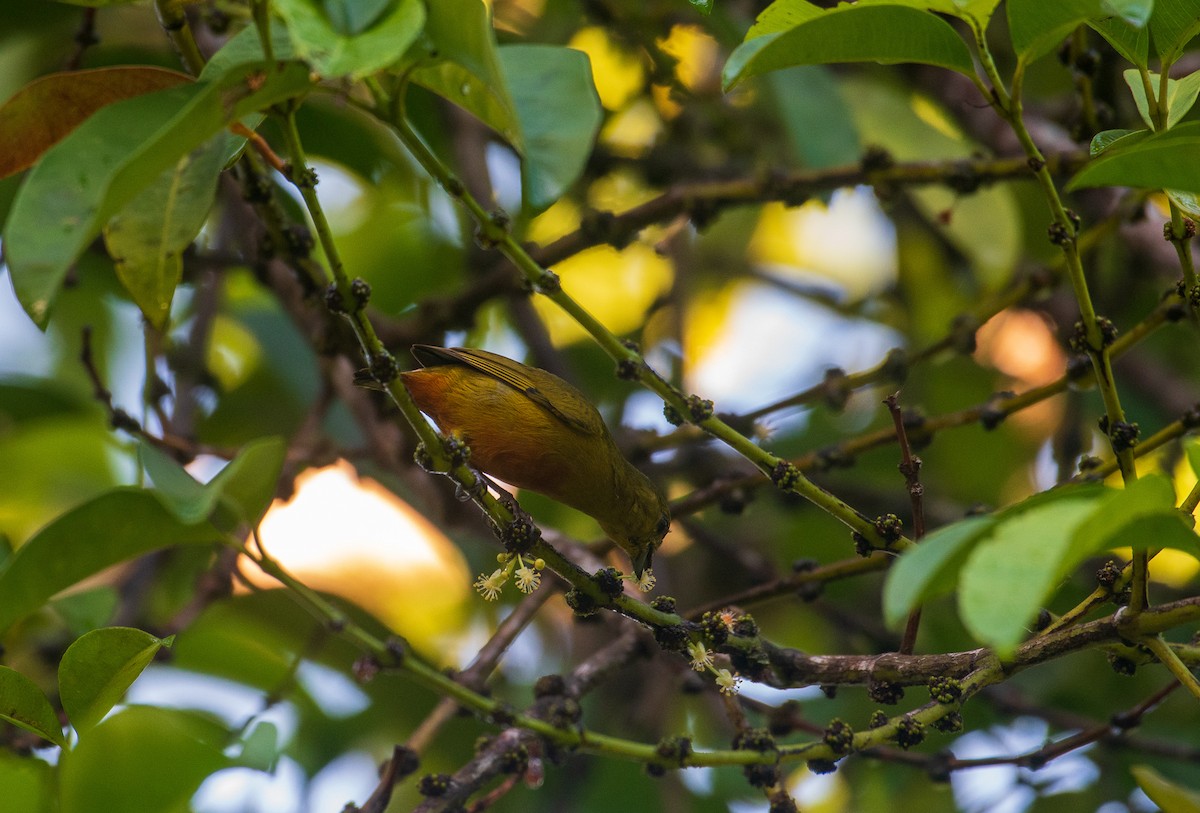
(643, 519)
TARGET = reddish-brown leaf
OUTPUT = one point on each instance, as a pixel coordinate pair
(45, 110)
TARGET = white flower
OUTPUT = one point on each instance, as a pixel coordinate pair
(701, 657)
(490, 586)
(727, 681)
(527, 579)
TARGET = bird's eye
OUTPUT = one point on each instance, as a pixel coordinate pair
(664, 525)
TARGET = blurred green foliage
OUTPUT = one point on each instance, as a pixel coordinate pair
(730, 295)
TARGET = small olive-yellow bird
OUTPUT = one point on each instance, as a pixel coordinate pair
(530, 428)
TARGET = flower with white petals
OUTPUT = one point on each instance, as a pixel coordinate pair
(527, 579)
(646, 581)
(701, 657)
(727, 681)
(490, 586)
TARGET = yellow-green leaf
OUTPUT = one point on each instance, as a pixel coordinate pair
(1169, 796)
(23, 704)
(99, 667)
(887, 34)
(146, 239)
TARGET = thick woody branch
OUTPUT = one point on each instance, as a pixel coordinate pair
(798, 669)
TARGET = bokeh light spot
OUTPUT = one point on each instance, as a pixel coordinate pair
(349, 536)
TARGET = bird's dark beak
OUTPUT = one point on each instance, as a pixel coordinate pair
(642, 561)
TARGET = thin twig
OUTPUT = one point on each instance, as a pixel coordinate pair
(709, 198)
(389, 774)
(85, 37)
(910, 467)
(484, 662)
(118, 418)
(260, 146)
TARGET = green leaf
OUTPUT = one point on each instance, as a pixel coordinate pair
(1133, 79)
(88, 176)
(108, 529)
(1172, 23)
(1149, 494)
(465, 67)
(142, 759)
(181, 576)
(980, 9)
(1189, 203)
(245, 486)
(1134, 12)
(887, 34)
(1009, 576)
(146, 239)
(783, 15)
(1126, 517)
(86, 610)
(1104, 139)
(260, 750)
(36, 399)
(1161, 161)
(1172, 26)
(976, 12)
(182, 495)
(1181, 95)
(1037, 27)
(1193, 455)
(98, 668)
(23, 704)
(809, 93)
(50, 465)
(930, 569)
(28, 783)
(1170, 797)
(334, 54)
(353, 17)
(244, 640)
(1130, 41)
(559, 113)
(246, 46)
(41, 114)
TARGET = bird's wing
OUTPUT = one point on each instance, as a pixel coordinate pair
(522, 378)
